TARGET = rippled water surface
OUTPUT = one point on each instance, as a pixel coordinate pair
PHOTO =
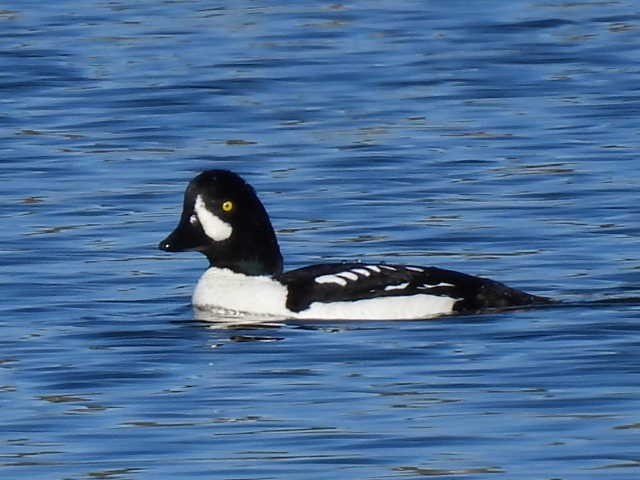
(498, 138)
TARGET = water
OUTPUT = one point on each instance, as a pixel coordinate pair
(497, 138)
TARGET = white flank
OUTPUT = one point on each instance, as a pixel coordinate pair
(387, 267)
(214, 227)
(396, 287)
(331, 279)
(373, 268)
(382, 308)
(415, 269)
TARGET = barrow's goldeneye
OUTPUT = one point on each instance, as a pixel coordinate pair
(223, 218)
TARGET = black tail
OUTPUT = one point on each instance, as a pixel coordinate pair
(489, 294)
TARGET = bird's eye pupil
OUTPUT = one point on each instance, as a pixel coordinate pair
(227, 206)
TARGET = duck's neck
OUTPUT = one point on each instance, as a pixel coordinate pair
(250, 266)
(254, 258)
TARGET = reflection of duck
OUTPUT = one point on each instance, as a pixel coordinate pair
(223, 218)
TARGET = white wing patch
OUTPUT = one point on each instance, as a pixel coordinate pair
(214, 227)
(362, 271)
(331, 279)
(348, 275)
(342, 279)
(401, 286)
(441, 284)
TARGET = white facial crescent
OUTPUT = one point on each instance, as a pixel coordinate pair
(214, 227)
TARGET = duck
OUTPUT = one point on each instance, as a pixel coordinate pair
(223, 218)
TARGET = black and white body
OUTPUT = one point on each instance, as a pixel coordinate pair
(223, 218)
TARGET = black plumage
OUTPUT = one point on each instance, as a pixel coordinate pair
(472, 293)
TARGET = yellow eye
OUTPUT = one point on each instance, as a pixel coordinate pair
(227, 206)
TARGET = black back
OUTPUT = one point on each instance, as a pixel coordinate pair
(473, 293)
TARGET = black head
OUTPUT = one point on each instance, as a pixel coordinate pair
(223, 218)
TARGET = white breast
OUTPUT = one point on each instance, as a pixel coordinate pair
(225, 289)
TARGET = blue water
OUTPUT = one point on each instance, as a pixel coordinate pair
(498, 138)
